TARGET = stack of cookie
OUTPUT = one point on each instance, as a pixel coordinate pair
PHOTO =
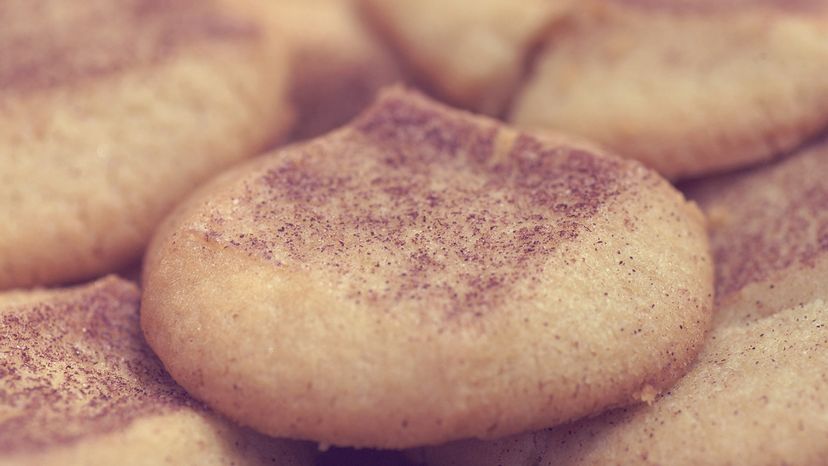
(493, 269)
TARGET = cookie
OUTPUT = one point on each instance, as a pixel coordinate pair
(79, 386)
(769, 234)
(111, 111)
(472, 53)
(337, 62)
(757, 395)
(688, 88)
(404, 280)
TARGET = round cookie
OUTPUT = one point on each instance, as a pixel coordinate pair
(757, 395)
(79, 386)
(688, 88)
(769, 234)
(337, 63)
(404, 280)
(472, 52)
(110, 111)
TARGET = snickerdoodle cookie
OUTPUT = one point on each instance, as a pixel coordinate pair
(689, 87)
(111, 111)
(769, 236)
(423, 275)
(79, 386)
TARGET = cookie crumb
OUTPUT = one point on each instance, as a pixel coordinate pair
(648, 394)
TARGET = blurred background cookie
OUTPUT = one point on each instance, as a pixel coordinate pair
(78, 386)
(757, 394)
(470, 53)
(337, 62)
(688, 88)
(110, 111)
(404, 280)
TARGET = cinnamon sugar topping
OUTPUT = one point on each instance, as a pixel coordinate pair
(792, 196)
(417, 204)
(75, 364)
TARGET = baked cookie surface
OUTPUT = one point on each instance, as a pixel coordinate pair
(110, 111)
(757, 394)
(404, 280)
(688, 88)
(769, 234)
(80, 386)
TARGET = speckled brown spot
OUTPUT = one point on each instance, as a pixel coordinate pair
(75, 364)
(47, 43)
(419, 204)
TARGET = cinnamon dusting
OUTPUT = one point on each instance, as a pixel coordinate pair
(75, 364)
